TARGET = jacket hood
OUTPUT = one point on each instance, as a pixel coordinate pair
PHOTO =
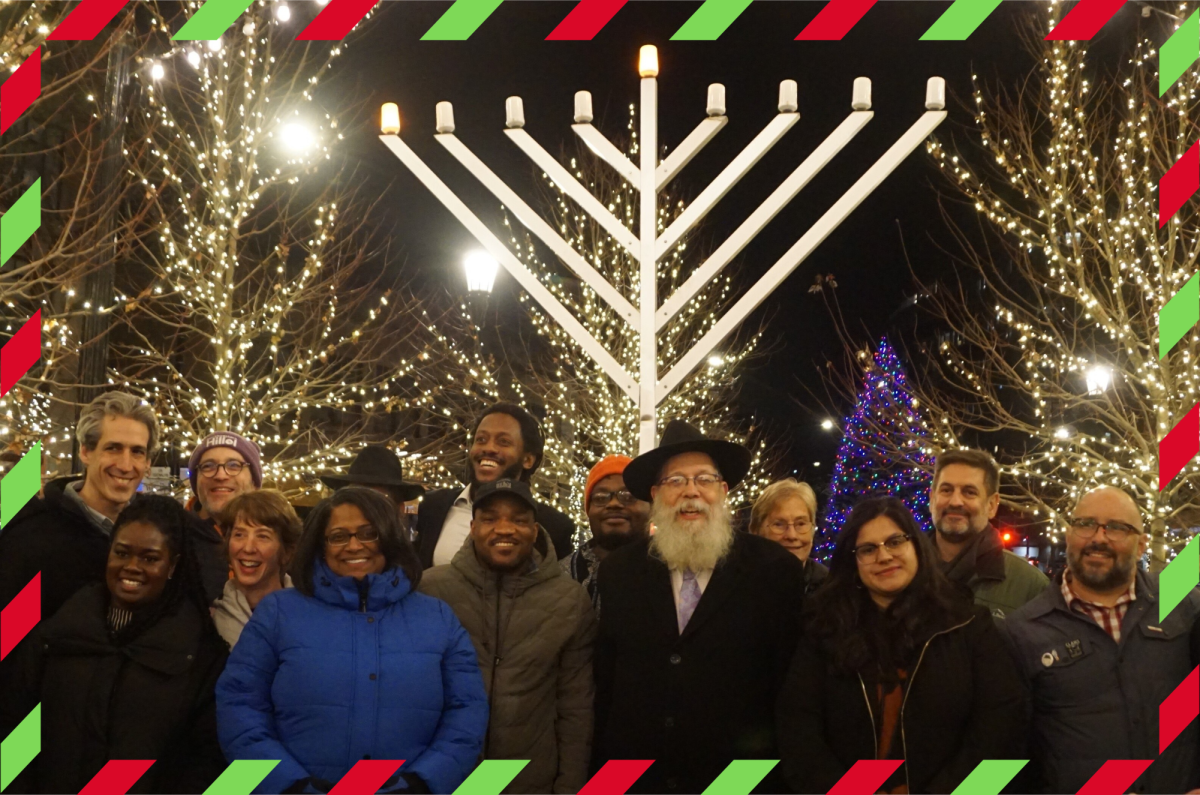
(542, 566)
(380, 590)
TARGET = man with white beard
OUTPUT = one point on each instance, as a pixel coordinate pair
(699, 624)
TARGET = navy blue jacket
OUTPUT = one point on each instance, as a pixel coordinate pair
(1095, 700)
(320, 683)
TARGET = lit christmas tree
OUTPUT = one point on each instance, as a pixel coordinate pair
(885, 415)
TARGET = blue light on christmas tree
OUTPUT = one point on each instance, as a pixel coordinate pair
(885, 406)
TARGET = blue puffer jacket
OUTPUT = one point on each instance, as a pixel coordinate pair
(320, 683)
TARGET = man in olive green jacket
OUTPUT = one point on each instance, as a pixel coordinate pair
(533, 629)
(963, 499)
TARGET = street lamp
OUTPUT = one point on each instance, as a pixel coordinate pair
(481, 270)
(297, 137)
(1099, 379)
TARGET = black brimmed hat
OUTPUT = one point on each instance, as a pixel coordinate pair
(732, 460)
(375, 465)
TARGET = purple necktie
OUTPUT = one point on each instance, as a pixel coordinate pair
(689, 597)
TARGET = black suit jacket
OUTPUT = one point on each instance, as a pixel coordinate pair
(697, 701)
(436, 504)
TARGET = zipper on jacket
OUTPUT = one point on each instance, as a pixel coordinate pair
(363, 589)
(911, 679)
(495, 664)
(871, 712)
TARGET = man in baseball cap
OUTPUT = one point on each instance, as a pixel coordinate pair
(223, 466)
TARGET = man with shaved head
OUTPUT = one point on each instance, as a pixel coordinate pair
(1098, 661)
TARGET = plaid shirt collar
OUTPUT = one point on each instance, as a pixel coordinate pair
(1107, 618)
(1072, 598)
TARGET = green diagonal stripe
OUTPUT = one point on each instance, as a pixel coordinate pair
(492, 775)
(460, 21)
(20, 747)
(990, 776)
(1179, 315)
(211, 20)
(1179, 578)
(1178, 53)
(21, 484)
(742, 775)
(241, 777)
(21, 221)
(710, 20)
(960, 20)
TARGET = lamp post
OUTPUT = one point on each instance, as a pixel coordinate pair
(480, 268)
(646, 387)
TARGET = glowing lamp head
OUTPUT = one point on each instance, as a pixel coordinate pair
(389, 119)
(282, 12)
(648, 61)
(481, 270)
(157, 71)
(1099, 379)
(296, 137)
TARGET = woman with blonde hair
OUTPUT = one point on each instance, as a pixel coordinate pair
(786, 513)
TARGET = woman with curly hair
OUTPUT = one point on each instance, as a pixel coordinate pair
(127, 668)
(895, 663)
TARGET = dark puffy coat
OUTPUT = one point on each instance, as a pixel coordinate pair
(151, 698)
(364, 670)
(435, 506)
(697, 701)
(964, 703)
(534, 631)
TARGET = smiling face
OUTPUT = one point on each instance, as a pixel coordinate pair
(790, 525)
(256, 556)
(116, 465)
(614, 522)
(498, 451)
(217, 489)
(1101, 563)
(889, 571)
(139, 565)
(355, 558)
(503, 532)
(959, 503)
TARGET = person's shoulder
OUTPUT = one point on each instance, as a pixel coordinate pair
(1019, 568)
(1021, 620)
(551, 518)
(435, 580)
(764, 553)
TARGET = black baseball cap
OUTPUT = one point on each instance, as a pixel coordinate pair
(517, 488)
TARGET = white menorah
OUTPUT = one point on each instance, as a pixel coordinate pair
(645, 388)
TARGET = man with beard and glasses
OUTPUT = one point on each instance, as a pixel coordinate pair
(1098, 661)
(506, 443)
(964, 497)
(616, 517)
(698, 626)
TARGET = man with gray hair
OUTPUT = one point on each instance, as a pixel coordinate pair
(699, 624)
(64, 534)
(1098, 661)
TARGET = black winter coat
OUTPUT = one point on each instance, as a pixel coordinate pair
(152, 698)
(437, 504)
(697, 701)
(964, 703)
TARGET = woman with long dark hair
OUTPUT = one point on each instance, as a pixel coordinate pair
(352, 663)
(126, 669)
(895, 663)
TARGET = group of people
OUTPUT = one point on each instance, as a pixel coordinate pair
(230, 629)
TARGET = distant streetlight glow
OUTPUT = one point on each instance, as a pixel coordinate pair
(282, 12)
(297, 137)
(1099, 379)
(827, 425)
(156, 71)
(481, 270)
(193, 58)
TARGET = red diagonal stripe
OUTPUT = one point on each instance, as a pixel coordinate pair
(20, 90)
(21, 352)
(866, 777)
(1178, 710)
(86, 21)
(336, 20)
(22, 614)
(585, 20)
(835, 20)
(1181, 181)
(367, 775)
(1115, 777)
(616, 777)
(117, 776)
(1179, 447)
(1084, 20)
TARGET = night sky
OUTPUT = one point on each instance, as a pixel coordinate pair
(508, 56)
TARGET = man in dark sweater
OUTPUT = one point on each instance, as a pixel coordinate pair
(506, 442)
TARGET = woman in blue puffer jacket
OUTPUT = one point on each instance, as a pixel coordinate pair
(353, 663)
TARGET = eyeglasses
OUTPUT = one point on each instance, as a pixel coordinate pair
(781, 526)
(340, 538)
(705, 481)
(869, 553)
(624, 496)
(1117, 531)
(232, 468)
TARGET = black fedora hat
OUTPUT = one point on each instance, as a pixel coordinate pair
(375, 465)
(678, 437)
